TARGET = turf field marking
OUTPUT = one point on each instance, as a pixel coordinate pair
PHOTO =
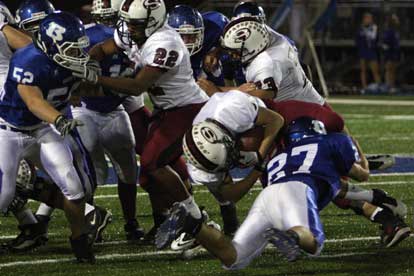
(370, 102)
(170, 252)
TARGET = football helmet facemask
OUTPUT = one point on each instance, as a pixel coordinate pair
(188, 22)
(244, 38)
(106, 11)
(139, 19)
(31, 12)
(62, 38)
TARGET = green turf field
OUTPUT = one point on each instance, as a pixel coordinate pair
(351, 248)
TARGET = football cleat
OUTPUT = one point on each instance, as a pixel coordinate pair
(196, 248)
(133, 231)
(394, 233)
(285, 242)
(31, 236)
(82, 249)
(186, 241)
(98, 220)
(179, 221)
(396, 206)
(380, 161)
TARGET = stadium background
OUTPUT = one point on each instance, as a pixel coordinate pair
(332, 24)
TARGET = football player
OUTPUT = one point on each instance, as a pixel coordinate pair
(107, 121)
(201, 34)
(33, 229)
(167, 77)
(34, 97)
(303, 179)
(31, 12)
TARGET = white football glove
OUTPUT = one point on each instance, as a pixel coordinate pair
(65, 125)
(88, 72)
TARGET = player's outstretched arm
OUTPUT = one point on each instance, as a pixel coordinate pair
(272, 122)
(101, 50)
(15, 38)
(33, 98)
(234, 191)
(146, 77)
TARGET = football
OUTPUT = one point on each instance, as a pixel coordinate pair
(250, 140)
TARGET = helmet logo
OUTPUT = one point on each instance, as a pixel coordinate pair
(55, 31)
(242, 35)
(208, 134)
(152, 4)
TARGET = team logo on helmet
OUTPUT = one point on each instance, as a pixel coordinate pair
(208, 134)
(242, 35)
(152, 4)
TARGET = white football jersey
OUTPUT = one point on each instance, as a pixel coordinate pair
(5, 56)
(235, 110)
(165, 49)
(133, 103)
(278, 68)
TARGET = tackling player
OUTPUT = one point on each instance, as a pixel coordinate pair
(304, 178)
(167, 77)
(33, 97)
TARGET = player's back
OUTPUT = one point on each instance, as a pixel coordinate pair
(177, 87)
(317, 161)
(281, 61)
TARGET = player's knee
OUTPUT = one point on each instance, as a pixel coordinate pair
(237, 261)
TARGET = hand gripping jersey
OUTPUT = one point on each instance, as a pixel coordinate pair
(317, 161)
(165, 50)
(111, 66)
(235, 110)
(278, 68)
(30, 66)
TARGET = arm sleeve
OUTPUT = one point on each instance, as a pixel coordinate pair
(26, 71)
(163, 54)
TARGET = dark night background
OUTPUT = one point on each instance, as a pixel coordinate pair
(74, 6)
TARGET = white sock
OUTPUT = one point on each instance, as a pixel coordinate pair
(25, 217)
(88, 208)
(192, 207)
(44, 210)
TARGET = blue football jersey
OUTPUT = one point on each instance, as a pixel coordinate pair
(213, 28)
(30, 66)
(111, 66)
(317, 161)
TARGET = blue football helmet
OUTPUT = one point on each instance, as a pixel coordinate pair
(188, 22)
(303, 127)
(31, 12)
(62, 38)
(214, 24)
(5, 14)
(249, 9)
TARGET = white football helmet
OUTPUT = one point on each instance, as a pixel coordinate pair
(142, 17)
(5, 14)
(106, 11)
(209, 147)
(246, 37)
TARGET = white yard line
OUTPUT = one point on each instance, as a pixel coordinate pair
(370, 102)
(170, 252)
